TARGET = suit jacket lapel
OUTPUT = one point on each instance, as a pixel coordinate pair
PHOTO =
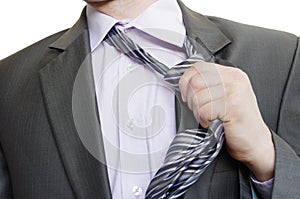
(210, 39)
(68, 91)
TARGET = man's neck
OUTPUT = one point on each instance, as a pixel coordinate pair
(122, 9)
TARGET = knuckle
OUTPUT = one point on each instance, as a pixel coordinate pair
(239, 75)
(194, 81)
(196, 66)
(238, 80)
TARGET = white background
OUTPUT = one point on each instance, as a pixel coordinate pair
(25, 22)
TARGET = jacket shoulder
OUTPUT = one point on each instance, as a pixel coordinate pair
(235, 30)
(30, 54)
(266, 55)
(258, 43)
(23, 66)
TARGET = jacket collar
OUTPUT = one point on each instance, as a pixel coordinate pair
(204, 31)
(79, 28)
(198, 27)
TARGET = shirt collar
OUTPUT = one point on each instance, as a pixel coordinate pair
(158, 20)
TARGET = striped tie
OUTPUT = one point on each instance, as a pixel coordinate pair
(192, 150)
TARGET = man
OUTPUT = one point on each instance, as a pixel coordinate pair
(48, 140)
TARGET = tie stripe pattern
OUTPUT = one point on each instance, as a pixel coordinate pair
(123, 43)
(192, 150)
(190, 153)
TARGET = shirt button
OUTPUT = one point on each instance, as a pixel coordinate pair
(137, 191)
(130, 67)
(130, 124)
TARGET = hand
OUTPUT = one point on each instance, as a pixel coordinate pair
(215, 91)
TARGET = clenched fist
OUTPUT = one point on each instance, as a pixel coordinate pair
(215, 91)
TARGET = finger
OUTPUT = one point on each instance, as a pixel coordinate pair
(184, 82)
(211, 73)
(199, 76)
(207, 95)
(210, 111)
(200, 82)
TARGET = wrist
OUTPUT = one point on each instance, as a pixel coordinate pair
(262, 162)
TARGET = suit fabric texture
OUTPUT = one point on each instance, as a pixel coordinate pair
(43, 156)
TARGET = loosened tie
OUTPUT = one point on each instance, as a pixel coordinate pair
(192, 150)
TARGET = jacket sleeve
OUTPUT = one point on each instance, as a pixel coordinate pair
(287, 137)
(5, 185)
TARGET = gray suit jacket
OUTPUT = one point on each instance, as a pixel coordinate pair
(43, 156)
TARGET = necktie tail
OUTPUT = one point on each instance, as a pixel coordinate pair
(190, 153)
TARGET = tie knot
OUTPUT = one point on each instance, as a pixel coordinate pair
(174, 74)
